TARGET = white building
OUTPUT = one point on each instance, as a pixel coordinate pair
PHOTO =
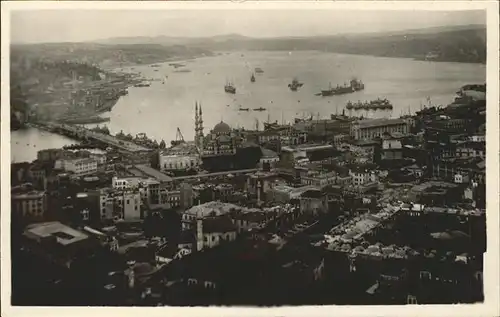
(362, 175)
(149, 188)
(477, 138)
(471, 149)
(318, 178)
(390, 143)
(461, 178)
(373, 128)
(78, 166)
(32, 204)
(181, 157)
(120, 204)
(210, 209)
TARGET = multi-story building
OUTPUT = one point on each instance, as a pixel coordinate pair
(181, 157)
(120, 204)
(477, 138)
(448, 168)
(78, 166)
(313, 202)
(49, 155)
(170, 198)
(149, 188)
(471, 149)
(39, 175)
(392, 148)
(374, 128)
(285, 135)
(31, 204)
(362, 174)
(210, 209)
(317, 178)
(212, 231)
(100, 158)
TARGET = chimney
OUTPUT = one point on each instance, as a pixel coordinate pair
(199, 234)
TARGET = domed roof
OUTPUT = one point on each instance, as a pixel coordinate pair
(222, 127)
(143, 268)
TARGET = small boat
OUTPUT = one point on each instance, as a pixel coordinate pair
(229, 88)
(252, 79)
(259, 109)
(144, 84)
(243, 109)
(295, 85)
(259, 70)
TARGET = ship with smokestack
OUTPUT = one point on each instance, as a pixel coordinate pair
(353, 86)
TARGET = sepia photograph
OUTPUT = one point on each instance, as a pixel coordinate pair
(245, 156)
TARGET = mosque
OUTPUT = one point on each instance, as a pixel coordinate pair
(218, 148)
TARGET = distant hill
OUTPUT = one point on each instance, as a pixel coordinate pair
(456, 45)
(463, 43)
(105, 55)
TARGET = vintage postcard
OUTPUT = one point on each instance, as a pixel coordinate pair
(255, 158)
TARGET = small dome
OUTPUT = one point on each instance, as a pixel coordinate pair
(142, 269)
(222, 127)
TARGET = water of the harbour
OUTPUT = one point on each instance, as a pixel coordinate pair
(159, 109)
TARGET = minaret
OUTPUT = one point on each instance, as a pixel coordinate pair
(200, 122)
(196, 118)
(196, 124)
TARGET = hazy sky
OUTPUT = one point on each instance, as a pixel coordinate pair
(85, 25)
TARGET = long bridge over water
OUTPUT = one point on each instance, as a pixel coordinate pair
(82, 133)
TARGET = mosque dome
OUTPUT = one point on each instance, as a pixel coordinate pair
(222, 127)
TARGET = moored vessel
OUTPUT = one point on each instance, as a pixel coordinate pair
(295, 85)
(229, 88)
(353, 86)
(377, 104)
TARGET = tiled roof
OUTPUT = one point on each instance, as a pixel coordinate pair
(372, 123)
